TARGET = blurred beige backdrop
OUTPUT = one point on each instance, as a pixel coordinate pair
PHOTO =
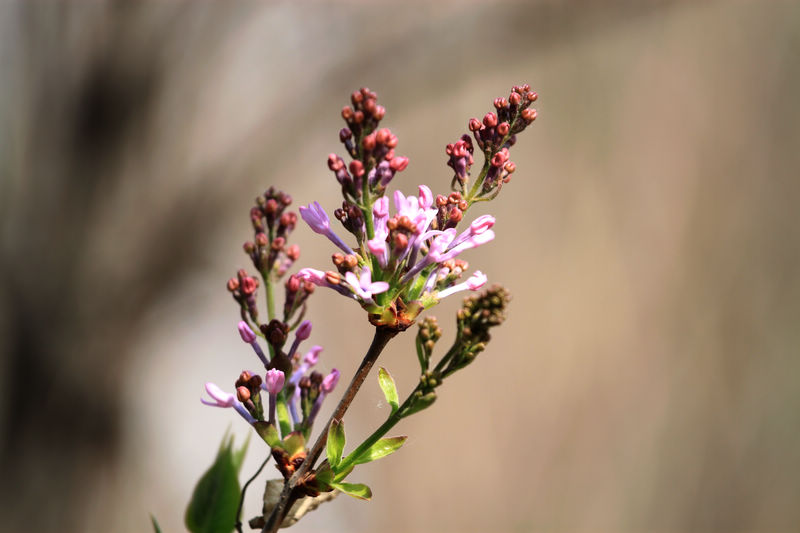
(647, 378)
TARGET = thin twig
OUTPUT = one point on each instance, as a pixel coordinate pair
(382, 336)
(244, 489)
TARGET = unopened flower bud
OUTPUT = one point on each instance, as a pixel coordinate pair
(474, 124)
(503, 128)
(510, 167)
(398, 164)
(274, 381)
(293, 252)
(347, 113)
(357, 168)
(261, 239)
(249, 247)
(345, 134)
(379, 112)
(514, 98)
(242, 394)
(330, 381)
(531, 97)
(490, 120)
(529, 115)
(304, 330)
(233, 284)
(368, 143)
(247, 334)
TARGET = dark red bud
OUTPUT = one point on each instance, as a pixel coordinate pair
(358, 117)
(503, 128)
(510, 167)
(490, 120)
(529, 115)
(233, 284)
(261, 239)
(514, 98)
(369, 142)
(474, 124)
(379, 112)
(243, 394)
(347, 113)
(357, 97)
(345, 134)
(382, 135)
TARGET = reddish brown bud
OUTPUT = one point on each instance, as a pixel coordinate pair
(532, 97)
(400, 241)
(498, 159)
(347, 113)
(391, 142)
(525, 87)
(233, 284)
(455, 215)
(369, 105)
(474, 124)
(503, 128)
(369, 142)
(529, 115)
(335, 162)
(261, 239)
(333, 278)
(357, 168)
(514, 98)
(243, 394)
(398, 164)
(357, 97)
(490, 120)
(278, 243)
(345, 134)
(358, 117)
(510, 167)
(337, 259)
(249, 285)
(441, 200)
(293, 284)
(379, 112)
(500, 103)
(249, 247)
(293, 252)
(241, 273)
(382, 135)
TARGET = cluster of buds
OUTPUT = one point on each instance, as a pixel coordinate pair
(272, 225)
(243, 289)
(494, 136)
(374, 161)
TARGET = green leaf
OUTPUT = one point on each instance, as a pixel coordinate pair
(324, 474)
(215, 499)
(268, 432)
(356, 490)
(335, 444)
(156, 527)
(294, 443)
(389, 389)
(382, 448)
(283, 418)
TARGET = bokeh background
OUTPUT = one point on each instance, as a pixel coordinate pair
(648, 377)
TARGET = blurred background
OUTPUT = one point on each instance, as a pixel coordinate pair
(647, 377)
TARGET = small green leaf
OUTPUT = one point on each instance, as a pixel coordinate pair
(324, 474)
(294, 443)
(382, 448)
(389, 389)
(283, 418)
(335, 444)
(356, 490)
(156, 527)
(268, 432)
(215, 499)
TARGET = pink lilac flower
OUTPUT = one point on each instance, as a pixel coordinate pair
(273, 384)
(224, 399)
(473, 283)
(363, 285)
(250, 338)
(318, 220)
(320, 278)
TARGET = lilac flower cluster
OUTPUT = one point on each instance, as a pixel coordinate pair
(406, 262)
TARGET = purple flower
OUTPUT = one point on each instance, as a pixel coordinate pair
(363, 286)
(330, 381)
(318, 220)
(312, 356)
(473, 283)
(304, 330)
(224, 399)
(273, 382)
(247, 334)
(320, 278)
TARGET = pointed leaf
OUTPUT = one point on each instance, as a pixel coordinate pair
(423, 402)
(283, 418)
(335, 444)
(268, 432)
(156, 527)
(294, 443)
(389, 389)
(238, 456)
(356, 490)
(382, 448)
(215, 499)
(324, 474)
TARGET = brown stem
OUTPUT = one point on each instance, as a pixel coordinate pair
(382, 336)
